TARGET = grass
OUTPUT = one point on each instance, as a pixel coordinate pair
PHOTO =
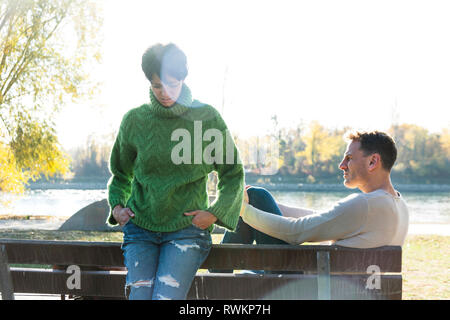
(425, 267)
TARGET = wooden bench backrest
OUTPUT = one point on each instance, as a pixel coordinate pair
(226, 256)
(351, 285)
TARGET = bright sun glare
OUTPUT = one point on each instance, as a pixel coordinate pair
(357, 63)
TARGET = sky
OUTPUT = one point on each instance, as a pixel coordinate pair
(360, 63)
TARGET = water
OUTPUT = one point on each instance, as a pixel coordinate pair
(425, 207)
(52, 202)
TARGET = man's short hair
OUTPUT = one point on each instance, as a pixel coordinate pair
(164, 60)
(377, 142)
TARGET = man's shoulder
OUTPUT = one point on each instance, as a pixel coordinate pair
(354, 197)
(380, 201)
(378, 195)
(355, 202)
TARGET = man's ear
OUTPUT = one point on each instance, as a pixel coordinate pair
(374, 162)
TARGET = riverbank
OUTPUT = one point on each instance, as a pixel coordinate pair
(271, 186)
(425, 260)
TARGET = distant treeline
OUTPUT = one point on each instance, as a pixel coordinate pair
(91, 160)
(310, 154)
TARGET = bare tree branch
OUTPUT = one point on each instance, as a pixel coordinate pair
(10, 9)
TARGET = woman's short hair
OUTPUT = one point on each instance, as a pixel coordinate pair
(164, 60)
(377, 142)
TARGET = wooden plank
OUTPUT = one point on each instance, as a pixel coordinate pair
(252, 286)
(212, 286)
(295, 258)
(105, 254)
(354, 287)
(92, 283)
(6, 284)
(227, 256)
(290, 287)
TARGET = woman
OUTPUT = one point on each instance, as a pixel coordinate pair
(157, 191)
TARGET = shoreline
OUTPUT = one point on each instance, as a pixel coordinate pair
(271, 186)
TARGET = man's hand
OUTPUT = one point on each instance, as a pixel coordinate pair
(122, 215)
(202, 219)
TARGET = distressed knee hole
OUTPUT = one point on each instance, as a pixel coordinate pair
(185, 247)
(141, 283)
(168, 280)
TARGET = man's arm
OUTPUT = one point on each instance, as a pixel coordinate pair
(344, 220)
(294, 212)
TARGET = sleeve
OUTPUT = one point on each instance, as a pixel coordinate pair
(230, 186)
(344, 220)
(294, 212)
(121, 165)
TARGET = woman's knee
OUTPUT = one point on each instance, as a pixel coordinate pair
(261, 199)
(257, 195)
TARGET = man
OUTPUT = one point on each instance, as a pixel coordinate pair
(376, 217)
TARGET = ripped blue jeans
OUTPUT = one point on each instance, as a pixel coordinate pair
(162, 265)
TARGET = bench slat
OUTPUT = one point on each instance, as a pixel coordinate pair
(63, 252)
(212, 286)
(92, 283)
(288, 287)
(225, 256)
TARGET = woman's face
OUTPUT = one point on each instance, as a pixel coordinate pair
(166, 92)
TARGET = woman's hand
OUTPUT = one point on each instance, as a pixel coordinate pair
(202, 219)
(122, 215)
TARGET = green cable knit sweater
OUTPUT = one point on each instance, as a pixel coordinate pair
(160, 163)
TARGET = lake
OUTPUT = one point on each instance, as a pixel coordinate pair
(426, 205)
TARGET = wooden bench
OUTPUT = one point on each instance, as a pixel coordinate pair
(325, 272)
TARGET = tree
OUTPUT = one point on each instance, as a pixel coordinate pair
(422, 156)
(46, 49)
(323, 150)
(92, 159)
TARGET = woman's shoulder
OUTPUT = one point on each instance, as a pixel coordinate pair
(203, 111)
(132, 117)
(135, 113)
(200, 106)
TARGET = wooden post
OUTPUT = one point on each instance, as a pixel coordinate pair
(323, 275)
(6, 286)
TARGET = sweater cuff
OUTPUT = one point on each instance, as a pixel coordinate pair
(224, 218)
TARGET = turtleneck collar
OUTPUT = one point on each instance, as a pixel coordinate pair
(181, 106)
